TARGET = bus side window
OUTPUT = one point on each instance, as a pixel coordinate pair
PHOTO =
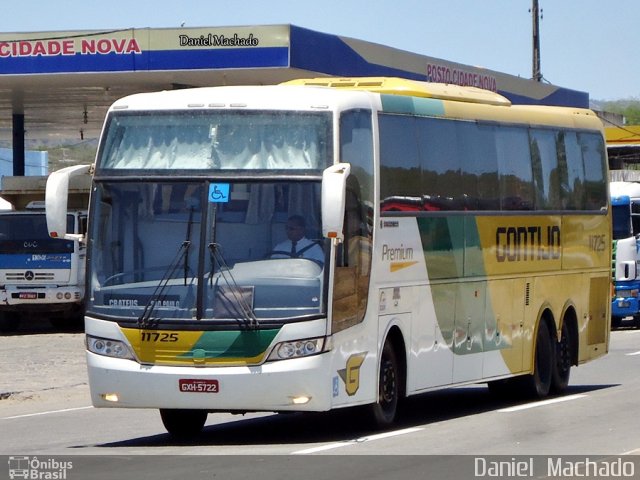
(353, 262)
(351, 287)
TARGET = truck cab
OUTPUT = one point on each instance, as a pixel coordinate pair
(39, 275)
(625, 203)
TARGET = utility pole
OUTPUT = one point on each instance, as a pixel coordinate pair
(537, 74)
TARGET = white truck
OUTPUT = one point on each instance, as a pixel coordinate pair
(625, 203)
(39, 275)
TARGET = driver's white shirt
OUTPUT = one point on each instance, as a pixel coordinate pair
(313, 253)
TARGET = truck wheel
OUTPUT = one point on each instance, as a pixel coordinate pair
(67, 322)
(615, 323)
(183, 424)
(9, 322)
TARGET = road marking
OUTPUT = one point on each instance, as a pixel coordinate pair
(46, 413)
(369, 438)
(541, 403)
(632, 452)
(322, 448)
(631, 354)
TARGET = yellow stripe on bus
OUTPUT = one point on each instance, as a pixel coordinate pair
(395, 266)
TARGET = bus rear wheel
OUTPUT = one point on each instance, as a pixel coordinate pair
(385, 409)
(562, 369)
(183, 423)
(538, 384)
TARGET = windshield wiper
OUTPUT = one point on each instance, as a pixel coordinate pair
(157, 295)
(238, 301)
(188, 241)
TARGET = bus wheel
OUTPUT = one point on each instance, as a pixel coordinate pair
(538, 383)
(385, 409)
(562, 369)
(183, 423)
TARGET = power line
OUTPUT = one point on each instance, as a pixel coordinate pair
(621, 127)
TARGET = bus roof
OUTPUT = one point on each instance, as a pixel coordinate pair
(457, 102)
(414, 88)
(392, 95)
(273, 97)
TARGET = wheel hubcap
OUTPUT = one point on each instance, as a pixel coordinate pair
(387, 383)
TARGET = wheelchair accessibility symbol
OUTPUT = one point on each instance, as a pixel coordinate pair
(219, 193)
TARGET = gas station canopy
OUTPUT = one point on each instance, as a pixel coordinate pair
(61, 83)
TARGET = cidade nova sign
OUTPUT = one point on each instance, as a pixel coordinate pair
(57, 47)
(112, 45)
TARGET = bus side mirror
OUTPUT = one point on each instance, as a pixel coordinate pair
(334, 187)
(56, 198)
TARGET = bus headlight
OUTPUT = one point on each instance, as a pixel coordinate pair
(108, 348)
(299, 348)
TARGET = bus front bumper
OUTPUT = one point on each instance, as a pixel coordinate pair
(301, 384)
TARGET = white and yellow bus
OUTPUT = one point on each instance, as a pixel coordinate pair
(465, 240)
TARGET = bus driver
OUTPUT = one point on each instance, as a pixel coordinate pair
(297, 244)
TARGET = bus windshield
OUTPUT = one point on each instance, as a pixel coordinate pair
(183, 250)
(228, 140)
(27, 233)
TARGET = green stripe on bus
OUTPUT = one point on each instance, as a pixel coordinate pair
(451, 247)
(412, 105)
(452, 251)
(233, 344)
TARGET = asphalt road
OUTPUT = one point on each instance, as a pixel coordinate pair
(45, 412)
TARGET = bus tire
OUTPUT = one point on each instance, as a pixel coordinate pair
(385, 409)
(562, 369)
(538, 383)
(183, 423)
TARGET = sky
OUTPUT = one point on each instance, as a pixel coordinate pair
(585, 45)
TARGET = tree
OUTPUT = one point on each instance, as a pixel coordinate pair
(629, 108)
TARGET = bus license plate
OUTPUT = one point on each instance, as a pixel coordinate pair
(198, 385)
(27, 295)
